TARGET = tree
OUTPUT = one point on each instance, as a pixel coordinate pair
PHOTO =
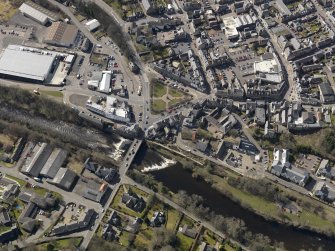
(288, 141)
(50, 247)
(163, 238)
(261, 243)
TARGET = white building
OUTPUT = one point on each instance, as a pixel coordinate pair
(110, 108)
(26, 63)
(92, 25)
(101, 81)
(37, 13)
(229, 27)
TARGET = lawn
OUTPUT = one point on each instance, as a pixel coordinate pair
(158, 105)
(173, 217)
(39, 191)
(61, 244)
(117, 198)
(124, 238)
(185, 243)
(315, 27)
(332, 117)
(144, 237)
(315, 141)
(227, 247)
(187, 221)
(5, 164)
(22, 183)
(175, 93)
(56, 94)
(210, 238)
(158, 89)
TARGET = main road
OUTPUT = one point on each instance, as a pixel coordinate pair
(130, 155)
(143, 78)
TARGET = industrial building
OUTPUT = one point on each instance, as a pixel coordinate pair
(26, 63)
(101, 81)
(65, 179)
(54, 163)
(35, 162)
(61, 34)
(92, 25)
(38, 13)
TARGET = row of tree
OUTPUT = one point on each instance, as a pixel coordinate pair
(37, 105)
(108, 23)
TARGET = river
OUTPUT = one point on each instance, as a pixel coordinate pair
(177, 178)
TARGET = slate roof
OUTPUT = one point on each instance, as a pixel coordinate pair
(4, 217)
(75, 227)
(133, 201)
(65, 178)
(93, 195)
(30, 211)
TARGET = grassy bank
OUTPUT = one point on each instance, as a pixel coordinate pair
(315, 215)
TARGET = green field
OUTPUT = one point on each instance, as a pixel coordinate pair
(185, 243)
(175, 93)
(158, 105)
(172, 218)
(60, 244)
(158, 89)
(56, 95)
(22, 183)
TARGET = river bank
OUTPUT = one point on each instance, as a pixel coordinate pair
(245, 205)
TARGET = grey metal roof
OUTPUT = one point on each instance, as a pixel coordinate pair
(25, 63)
(37, 162)
(54, 162)
(64, 178)
(34, 13)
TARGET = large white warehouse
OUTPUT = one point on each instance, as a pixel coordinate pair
(26, 63)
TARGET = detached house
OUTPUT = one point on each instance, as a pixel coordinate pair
(133, 201)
